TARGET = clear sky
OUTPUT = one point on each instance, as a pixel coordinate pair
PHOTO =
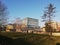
(30, 8)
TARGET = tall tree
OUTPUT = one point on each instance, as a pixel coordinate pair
(17, 24)
(47, 17)
(3, 14)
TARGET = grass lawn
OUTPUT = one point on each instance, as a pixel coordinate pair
(31, 39)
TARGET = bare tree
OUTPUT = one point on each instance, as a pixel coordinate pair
(3, 14)
(17, 24)
(47, 17)
(24, 28)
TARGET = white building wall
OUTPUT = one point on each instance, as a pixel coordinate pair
(30, 21)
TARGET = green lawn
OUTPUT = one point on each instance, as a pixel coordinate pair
(32, 39)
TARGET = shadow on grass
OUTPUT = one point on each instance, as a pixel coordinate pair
(5, 40)
(8, 41)
(21, 41)
(57, 43)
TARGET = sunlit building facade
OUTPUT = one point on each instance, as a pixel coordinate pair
(55, 26)
(58, 26)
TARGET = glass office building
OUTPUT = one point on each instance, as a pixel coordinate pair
(30, 22)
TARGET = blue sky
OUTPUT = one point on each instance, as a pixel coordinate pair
(30, 8)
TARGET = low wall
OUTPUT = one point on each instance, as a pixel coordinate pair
(56, 34)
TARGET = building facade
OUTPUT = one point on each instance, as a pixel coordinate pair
(58, 26)
(55, 26)
(30, 22)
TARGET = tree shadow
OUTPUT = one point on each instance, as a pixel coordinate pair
(57, 43)
(21, 41)
(5, 40)
(8, 41)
